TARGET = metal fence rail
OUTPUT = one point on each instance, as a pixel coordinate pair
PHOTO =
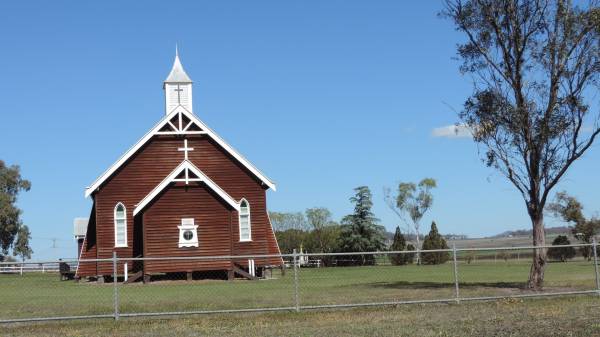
(31, 291)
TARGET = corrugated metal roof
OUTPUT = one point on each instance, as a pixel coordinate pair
(80, 226)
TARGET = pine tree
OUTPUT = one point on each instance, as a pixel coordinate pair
(359, 231)
(434, 240)
(399, 244)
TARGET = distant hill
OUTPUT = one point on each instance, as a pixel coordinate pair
(528, 232)
(389, 236)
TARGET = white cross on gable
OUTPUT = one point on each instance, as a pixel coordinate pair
(185, 149)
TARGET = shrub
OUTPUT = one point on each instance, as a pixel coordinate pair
(561, 253)
(470, 257)
(504, 255)
(410, 257)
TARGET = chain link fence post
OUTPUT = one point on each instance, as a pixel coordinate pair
(115, 286)
(456, 290)
(296, 295)
(594, 244)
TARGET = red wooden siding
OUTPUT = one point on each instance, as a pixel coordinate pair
(162, 234)
(89, 247)
(146, 169)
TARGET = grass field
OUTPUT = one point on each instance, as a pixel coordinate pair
(563, 316)
(43, 295)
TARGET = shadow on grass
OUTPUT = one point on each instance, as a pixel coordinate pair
(440, 285)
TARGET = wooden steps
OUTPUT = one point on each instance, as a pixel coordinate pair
(134, 277)
(238, 270)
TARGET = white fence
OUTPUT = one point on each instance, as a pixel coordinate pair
(20, 268)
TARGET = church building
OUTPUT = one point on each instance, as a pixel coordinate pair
(180, 191)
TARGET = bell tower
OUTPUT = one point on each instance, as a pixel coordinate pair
(178, 88)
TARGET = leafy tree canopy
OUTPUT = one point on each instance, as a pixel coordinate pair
(21, 246)
(11, 183)
(570, 210)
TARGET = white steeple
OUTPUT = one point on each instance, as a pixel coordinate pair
(178, 87)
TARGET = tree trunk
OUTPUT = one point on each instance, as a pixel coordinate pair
(536, 274)
(418, 246)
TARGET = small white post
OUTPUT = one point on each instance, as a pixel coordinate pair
(115, 287)
(296, 290)
(594, 244)
(251, 267)
(456, 289)
(21, 268)
(125, 272)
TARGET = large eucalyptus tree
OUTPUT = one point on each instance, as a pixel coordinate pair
(535, 67)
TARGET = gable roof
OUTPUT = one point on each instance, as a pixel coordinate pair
(191, 174)
(180, 130)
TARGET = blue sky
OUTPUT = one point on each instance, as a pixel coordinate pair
(322, 96)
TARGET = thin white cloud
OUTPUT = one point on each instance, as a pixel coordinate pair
(452, 131)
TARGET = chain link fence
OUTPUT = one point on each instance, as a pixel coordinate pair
(36, 291)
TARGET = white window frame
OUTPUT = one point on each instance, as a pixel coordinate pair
(122, 245)
(188, 224)
(249, 222)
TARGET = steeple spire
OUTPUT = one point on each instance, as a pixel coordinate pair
(178, 87)
(177, 74)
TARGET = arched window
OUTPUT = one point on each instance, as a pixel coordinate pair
(245, 229)
(120, 225)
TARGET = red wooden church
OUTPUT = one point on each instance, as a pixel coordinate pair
(181, 190)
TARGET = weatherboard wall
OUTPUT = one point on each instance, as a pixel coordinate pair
(145, 170)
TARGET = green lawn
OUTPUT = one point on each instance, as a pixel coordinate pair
(39, 295)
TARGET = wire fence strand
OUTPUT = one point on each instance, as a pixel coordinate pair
(185, 285)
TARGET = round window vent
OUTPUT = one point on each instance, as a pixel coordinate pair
(188, 235)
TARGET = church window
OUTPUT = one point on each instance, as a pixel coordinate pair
(120, 225)
(245, 229)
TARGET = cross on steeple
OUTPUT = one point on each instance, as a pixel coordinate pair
(185, 149)
(178, 90)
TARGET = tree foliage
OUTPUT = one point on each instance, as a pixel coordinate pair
(359, 232)
(324, 229)
(413, 201)
(561, 253)
(570, 210)
(314, 232)
(290, 230)
(11, 183)
(399, 244)
(534, 64)
(434, 240)
(21, 246)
